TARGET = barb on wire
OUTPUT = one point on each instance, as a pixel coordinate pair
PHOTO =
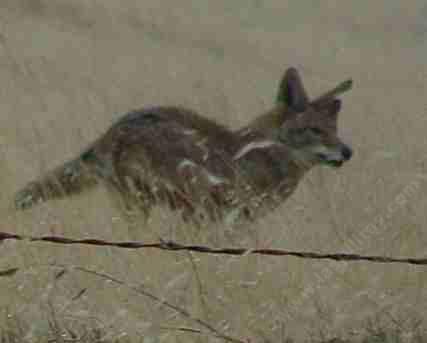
(173, 246)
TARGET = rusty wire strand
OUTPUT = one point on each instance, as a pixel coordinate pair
(174, 246)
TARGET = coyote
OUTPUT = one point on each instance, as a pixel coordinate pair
(175, 157)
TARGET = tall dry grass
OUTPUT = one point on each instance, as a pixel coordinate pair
(69, 68)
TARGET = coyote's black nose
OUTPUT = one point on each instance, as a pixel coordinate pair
(346, 152)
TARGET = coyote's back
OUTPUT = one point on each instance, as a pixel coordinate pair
(173, 156)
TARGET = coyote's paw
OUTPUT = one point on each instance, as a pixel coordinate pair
(27, 197)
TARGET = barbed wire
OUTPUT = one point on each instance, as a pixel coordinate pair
(174, 246)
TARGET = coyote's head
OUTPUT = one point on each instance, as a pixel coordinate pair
(311, 128)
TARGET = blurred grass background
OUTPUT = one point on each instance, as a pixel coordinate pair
(69, 68)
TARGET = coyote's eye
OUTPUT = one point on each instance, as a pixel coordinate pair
(301, 130)
(313, 130)
(316, 131)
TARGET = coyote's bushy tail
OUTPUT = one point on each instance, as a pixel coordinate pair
(70, 178)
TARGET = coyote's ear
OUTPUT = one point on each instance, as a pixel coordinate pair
(292, 92)
(328, 97)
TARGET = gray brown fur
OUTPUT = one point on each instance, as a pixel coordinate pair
(175, 157)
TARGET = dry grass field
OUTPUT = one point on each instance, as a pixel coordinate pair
(69, 68)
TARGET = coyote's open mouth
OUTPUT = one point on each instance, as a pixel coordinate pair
(334, 163)
(330, 161)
